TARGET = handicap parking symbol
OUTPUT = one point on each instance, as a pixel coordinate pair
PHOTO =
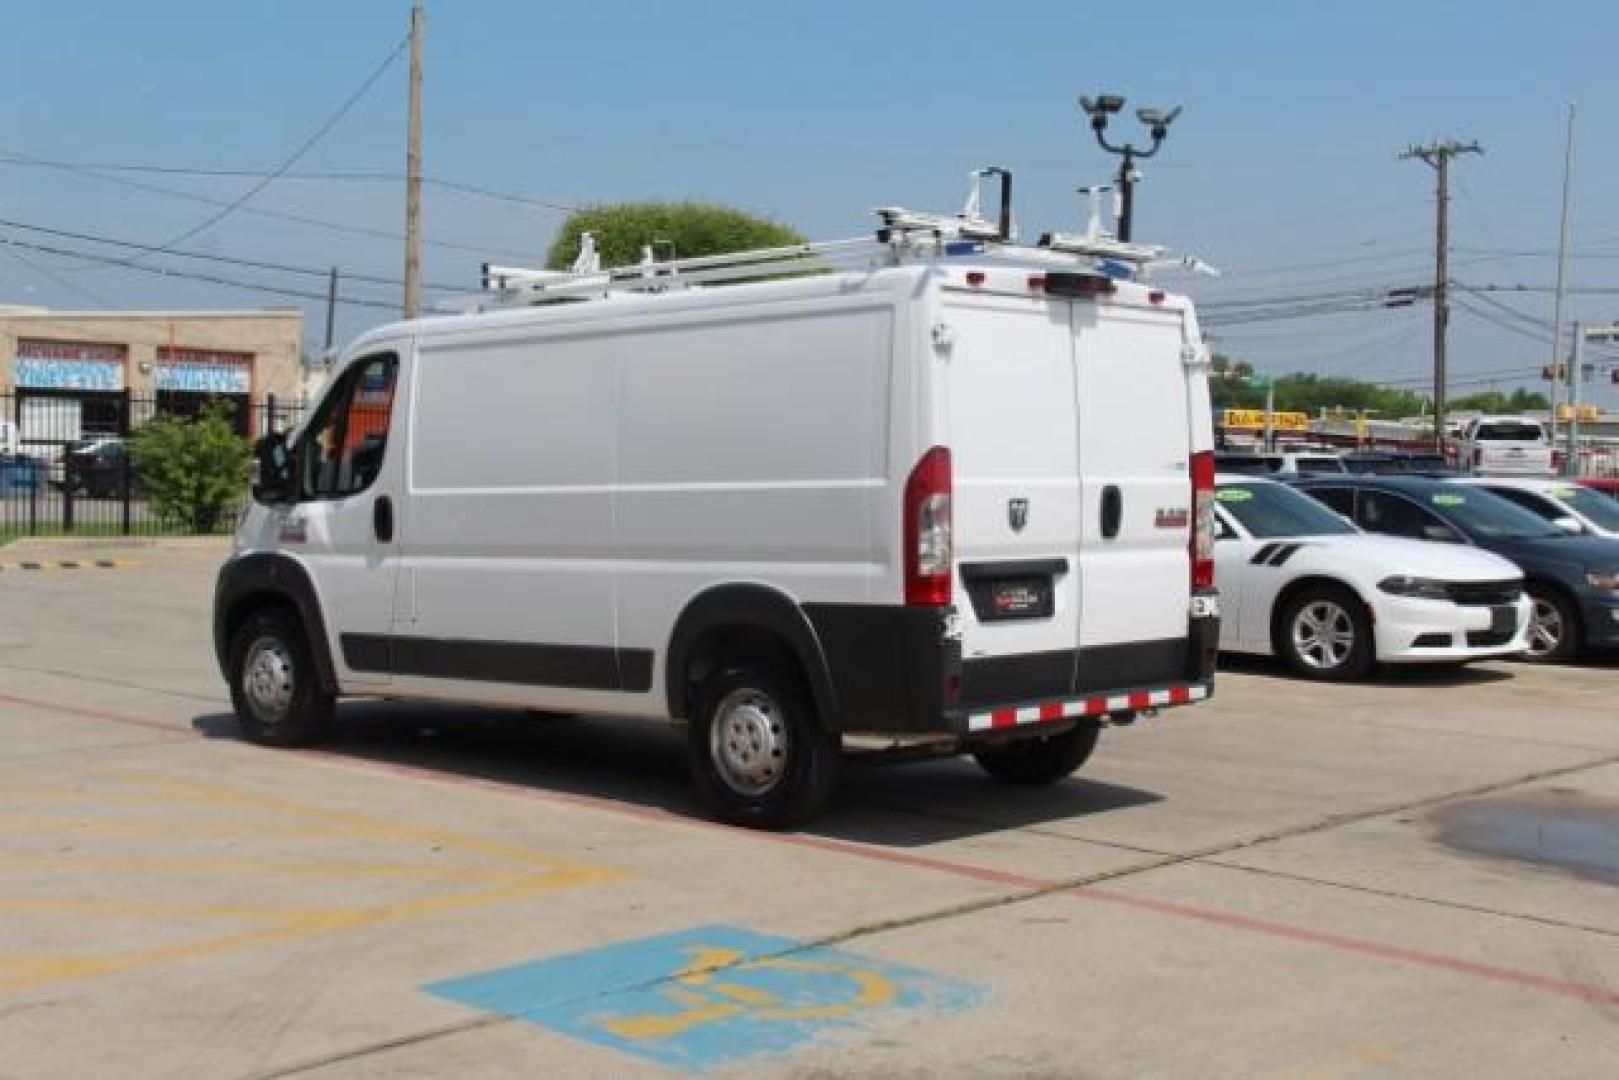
(701, 998)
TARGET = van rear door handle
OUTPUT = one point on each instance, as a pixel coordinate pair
(382, 518)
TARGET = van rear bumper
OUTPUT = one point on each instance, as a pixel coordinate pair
(897, 670)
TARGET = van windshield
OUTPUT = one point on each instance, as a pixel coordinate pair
(1510, 433)
(1272, 510)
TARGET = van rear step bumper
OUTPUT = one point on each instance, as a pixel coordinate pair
(1133, 701)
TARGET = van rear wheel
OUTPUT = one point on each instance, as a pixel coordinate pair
(1041, 760)
(757, 749)
(273, 686)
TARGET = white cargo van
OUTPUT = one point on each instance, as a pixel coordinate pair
(957, 500)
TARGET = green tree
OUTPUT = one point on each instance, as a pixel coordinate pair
(191, 470)
(692, 228)
(1493, 401)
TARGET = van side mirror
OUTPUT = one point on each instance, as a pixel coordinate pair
(272, 471)
(1570, 525)
(1442, 533)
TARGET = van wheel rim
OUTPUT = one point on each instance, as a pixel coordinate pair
(268, 679)
(1323, 635)
(748, 741)
(1545, 628)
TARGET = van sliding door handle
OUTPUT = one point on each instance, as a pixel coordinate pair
(382, 519)
(1112, 511)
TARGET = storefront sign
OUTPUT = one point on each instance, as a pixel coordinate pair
(68, 365)
(204, 371)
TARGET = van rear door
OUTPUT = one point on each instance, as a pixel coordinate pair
(1133, 403)
(1014, 444)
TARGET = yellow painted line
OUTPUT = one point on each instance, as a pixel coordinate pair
(340, 823)
(320, 870)
(487, 871)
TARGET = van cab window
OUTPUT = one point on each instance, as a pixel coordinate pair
(341, 453)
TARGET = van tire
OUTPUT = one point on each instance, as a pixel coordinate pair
(1040, 760)
(758, 752)
(274, 686)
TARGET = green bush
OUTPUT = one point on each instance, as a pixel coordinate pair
(694, 228)
(192, 470)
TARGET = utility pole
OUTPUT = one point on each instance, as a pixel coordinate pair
(331, 313)
(1437, 156)
(1562, 271)
(413, 168)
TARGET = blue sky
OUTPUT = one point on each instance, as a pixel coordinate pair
(1282, 171)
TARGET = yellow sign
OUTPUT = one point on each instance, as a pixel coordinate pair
(1255, 419)
(1585, 413)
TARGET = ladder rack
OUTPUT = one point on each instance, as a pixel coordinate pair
(902, 236)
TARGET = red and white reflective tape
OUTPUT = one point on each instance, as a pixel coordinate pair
(1093, 706)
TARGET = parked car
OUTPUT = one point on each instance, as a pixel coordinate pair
(1396, 463)
(1299, 582)
(98, 468)
(1288, 463)
(1573, 581)
(1505, 446)
(1572, 507)
(1608, 485)
(21, 474)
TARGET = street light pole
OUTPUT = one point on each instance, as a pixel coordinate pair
(1157, 122)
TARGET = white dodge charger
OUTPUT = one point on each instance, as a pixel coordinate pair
(1299, 582)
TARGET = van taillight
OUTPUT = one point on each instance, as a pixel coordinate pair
(1201, 544)
(1478, 455)
(928, 549)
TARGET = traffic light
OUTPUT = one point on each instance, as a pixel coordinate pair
(1554, 372)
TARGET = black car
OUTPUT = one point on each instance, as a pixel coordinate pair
(1393, 463)
(1573, 580)
(97, 468)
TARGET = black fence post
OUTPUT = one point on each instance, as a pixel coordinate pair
(42, 477)
(67, 496)
(124, 460)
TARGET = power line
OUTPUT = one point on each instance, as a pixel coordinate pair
(256, 264)
(346, 175)
(279, 215)
(51, 275)
(212, 279)
(292, 159)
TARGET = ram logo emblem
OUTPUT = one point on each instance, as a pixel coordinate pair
(1017, 513)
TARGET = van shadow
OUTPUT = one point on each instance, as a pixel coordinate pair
(642, 764)
(1386, 675)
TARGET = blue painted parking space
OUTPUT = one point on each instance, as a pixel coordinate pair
(706, 997)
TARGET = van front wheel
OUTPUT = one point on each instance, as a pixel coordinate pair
(1040, 760)
(758, 752)
(273, 686)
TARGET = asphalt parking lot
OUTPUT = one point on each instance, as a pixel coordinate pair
(1413, 876)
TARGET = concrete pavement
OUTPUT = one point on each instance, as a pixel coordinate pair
(1292, 881)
